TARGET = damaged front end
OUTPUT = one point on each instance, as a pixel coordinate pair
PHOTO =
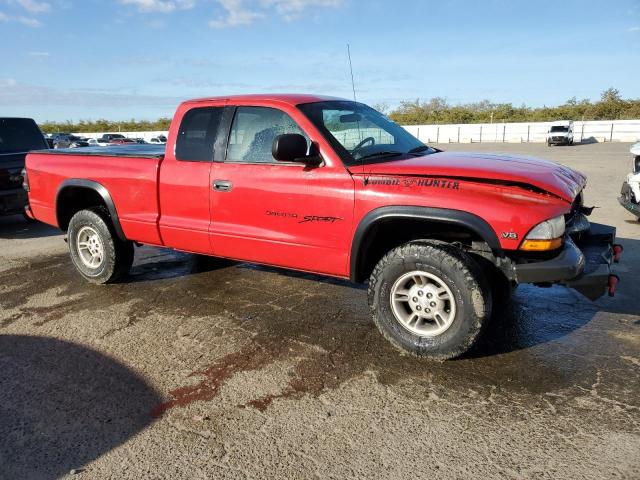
(630, 192)
(582, 263)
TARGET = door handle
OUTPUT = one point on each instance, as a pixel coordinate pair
(222, 185)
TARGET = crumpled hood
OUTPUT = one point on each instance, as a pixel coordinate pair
(552, 177)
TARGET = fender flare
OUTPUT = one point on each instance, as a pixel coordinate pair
(441, 215)
(100, 190)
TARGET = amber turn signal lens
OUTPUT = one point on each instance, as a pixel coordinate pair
(541, 245)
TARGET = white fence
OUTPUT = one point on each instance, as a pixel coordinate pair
(593, 131)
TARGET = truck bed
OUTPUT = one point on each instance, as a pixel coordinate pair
(128, 173)
(129, 151)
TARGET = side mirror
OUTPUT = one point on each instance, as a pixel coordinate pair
(292, 147)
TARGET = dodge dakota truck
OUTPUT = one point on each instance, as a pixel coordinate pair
(333, 187)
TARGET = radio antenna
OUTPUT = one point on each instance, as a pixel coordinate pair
(353, 83)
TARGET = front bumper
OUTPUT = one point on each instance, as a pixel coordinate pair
(626, 200)
(584, 266)
(12, 201)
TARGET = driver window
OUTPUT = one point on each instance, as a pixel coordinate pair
(253, 131)
(351, 129)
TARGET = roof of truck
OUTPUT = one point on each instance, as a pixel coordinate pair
(289, 98)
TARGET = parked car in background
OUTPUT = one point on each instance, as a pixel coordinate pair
(560, 133)
(17, 137)
(78, 142)
(107, 137)
(630, 193)
(101, 142)
(60, 140)
(158, 140)
(141, 141)
(121, 141)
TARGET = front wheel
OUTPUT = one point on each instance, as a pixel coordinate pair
(429, 300)
(97, 253)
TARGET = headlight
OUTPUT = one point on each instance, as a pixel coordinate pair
(545, 236)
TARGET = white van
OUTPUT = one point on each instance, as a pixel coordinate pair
(560, 133)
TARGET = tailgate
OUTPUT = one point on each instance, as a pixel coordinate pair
(11, 166)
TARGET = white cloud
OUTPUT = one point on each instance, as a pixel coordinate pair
(33, 6)
(160, 6)
(244, 12)
(634, 29)
(236, 14)
(29, 22)
(39, 54)
(30, 7)
(291, 9)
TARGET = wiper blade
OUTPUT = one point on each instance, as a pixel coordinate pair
(420, 149)
(381, 154)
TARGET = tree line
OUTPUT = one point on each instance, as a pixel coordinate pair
(88, 126)
(611, 106)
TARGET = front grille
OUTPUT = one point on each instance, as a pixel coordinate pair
(576, 221)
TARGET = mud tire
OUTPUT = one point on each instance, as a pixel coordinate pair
(463, 277)
(118, 254)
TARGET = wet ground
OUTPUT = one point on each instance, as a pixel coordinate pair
(196, 368)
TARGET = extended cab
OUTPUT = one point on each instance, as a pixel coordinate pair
(333, 187)
(17, 137)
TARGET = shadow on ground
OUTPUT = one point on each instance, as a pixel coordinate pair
(63, 405)
(18, 228)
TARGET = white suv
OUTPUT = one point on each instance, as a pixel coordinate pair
(560, 133)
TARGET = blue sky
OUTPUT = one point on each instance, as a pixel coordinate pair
(119, 59)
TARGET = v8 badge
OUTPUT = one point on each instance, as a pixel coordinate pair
(510, 235)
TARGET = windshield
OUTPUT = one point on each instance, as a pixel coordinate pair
(559, 128)
(20, 135)
(360, 134)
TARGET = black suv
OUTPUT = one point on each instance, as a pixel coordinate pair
(17, 137)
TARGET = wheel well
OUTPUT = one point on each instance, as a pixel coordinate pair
(389, 233)
(72, 199)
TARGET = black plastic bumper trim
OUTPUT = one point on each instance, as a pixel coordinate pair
(567, 265)
(585, 268)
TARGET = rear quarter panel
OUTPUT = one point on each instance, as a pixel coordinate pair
(131, 182)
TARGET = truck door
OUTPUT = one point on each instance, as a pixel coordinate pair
(184, 180)
(283, 214)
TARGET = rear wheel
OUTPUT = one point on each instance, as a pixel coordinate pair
(429, 300)
(97, 253)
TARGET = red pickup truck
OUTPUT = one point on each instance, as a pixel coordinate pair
(332, 187)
